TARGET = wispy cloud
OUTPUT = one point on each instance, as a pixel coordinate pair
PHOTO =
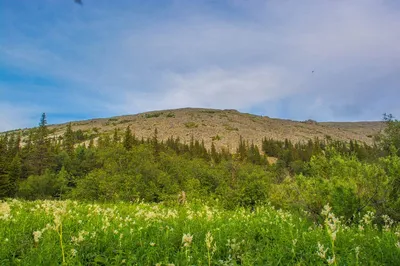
(255, 55)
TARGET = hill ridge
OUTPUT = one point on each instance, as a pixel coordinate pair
(222, 126)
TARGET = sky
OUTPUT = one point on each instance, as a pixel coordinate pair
(327, 60)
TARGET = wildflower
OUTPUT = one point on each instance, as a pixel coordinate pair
(5, 211)
(209, 240)
(388, 222)
(187, 240)
(360, 227)
(331, 260)
(327, 209)
(73, 252)
(81, 236)
(36, 236)
(152, 244)
(321, 252)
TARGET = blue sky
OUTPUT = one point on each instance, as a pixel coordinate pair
(109, 58)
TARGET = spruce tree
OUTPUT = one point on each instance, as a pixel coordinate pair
(14, 174)
(127, 141)
(69, 140)
(4, 180)
(115, 136)
(40, 157)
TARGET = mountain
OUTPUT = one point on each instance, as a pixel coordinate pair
(224, 127)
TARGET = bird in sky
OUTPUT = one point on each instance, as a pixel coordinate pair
(78, 2)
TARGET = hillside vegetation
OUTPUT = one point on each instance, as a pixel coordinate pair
(313, 182)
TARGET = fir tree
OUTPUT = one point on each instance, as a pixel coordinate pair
(14, 174)
(40, 159)
(127, 141)
(69, 140)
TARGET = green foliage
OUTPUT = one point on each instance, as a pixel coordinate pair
(44, 186)
(390, 138)
(351, 177)
(152, 115)
(355, 179)
(191, 125)
(136, 233)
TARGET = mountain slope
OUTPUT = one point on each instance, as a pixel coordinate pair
(224, 127)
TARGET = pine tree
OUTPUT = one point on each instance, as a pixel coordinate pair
(242, 149)
(14, 175)
(41, 156)
(127, 141)
(155, 143)
(4, 180)
(116, 138)
(69, 140)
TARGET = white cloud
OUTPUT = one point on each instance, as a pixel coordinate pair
(262, 52)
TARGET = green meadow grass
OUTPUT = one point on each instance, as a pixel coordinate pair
(74, 233)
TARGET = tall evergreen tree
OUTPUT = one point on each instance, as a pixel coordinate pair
(69, 140)
(14, 175)
(127, 141)
(4, 180)
(156, 144)
(116, 138)
(41, 148)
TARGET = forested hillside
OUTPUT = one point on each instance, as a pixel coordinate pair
(351, 176)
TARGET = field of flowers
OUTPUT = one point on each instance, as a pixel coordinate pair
(73, 233)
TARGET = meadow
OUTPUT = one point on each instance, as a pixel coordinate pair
(49, 232)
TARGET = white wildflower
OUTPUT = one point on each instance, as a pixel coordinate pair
(5, 211)
(73, 252)
(331, 260)
(187, 240)
(36, 236)
(321, 252)
(326, 210)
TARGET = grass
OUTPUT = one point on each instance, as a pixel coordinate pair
(73, 233)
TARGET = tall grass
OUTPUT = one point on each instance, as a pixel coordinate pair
(73, 233)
